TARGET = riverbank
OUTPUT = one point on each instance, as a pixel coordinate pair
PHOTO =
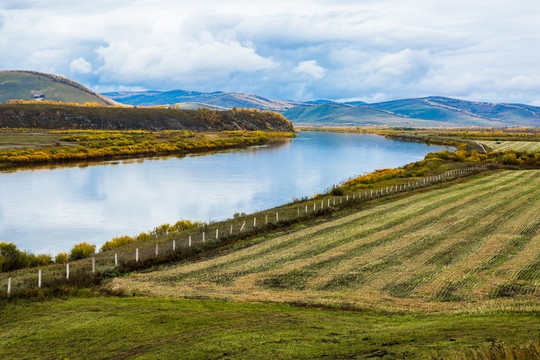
(24, 148)
(481, 140)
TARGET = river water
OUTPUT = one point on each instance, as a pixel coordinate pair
(49, 210)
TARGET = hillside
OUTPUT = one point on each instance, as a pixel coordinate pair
(219, 99)
(335, 114)
(421, 112)
(47, 116)
(33, 85)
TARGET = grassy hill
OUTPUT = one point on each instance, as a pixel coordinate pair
(32, 85)
(334, 114)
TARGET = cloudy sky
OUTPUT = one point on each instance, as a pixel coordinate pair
(370, 50)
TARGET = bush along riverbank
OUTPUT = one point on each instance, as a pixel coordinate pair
(171, 243)
(80, 145)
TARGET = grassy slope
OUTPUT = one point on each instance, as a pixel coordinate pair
(531, 146)
(474, 243)
(146, 328)
(19, 85)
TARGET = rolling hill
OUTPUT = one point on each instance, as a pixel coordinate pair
(33, 85)
(432, 111)
(210, 100)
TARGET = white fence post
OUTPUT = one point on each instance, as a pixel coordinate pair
(67, 271)
(115, 260)
(189, 241)
(242, 227)
(157, 249)
(204, 237)
(93, 265)
(266, 218)
(217, 234)
(306, 208)
(231, 230)
(137, 255)
(254, 222)
(277, 217)
(39, 279)
(9, 287)
(174, 245)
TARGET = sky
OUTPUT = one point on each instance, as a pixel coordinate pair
(482, 50)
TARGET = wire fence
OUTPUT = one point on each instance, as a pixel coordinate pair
(174, 246)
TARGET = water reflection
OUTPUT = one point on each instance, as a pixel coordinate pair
(49, 210)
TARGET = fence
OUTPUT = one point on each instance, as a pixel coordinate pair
(207, 236)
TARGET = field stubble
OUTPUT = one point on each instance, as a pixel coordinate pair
(472, 245)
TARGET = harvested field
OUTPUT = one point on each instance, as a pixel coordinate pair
(530, 146)
(472, 244)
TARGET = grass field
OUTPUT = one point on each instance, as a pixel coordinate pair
(446, 273)
(531, 146)
(473, 244)
(156, 328)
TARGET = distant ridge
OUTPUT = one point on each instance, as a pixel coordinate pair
(433, 111)
(219, 99)
(34, 85)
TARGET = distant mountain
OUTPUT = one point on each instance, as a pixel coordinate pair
(349, 115)
(430, 111)
(33, 85)
(219, 99)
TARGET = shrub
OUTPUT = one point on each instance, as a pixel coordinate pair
(61, 258)
(81, 251)
(117, 242)
(11, 258)
(40, 260)
(336, 191)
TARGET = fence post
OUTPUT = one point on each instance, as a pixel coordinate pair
(137, 255)
(314, 206)
(204, 237)
(347, 197)
(9, 287)
(157, 249)
(277, 217)
(67, 271)
(231, 230)
(93, 265)
(328, 202)
(189, 241)
(298, 211)
(217, 234)
(306, 208)
(174, 245)
(322, 204)
(266, 218)
(39, 279)
(334, 201)
(254, 222)
(115, 260)
(243, 225)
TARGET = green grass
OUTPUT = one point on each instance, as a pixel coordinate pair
(530, 146)
(149, 328)
(20, 85)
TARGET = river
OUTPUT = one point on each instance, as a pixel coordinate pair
(49, 210)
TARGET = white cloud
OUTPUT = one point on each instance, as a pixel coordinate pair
(381, 49)
(310, 68)
(80, 65)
